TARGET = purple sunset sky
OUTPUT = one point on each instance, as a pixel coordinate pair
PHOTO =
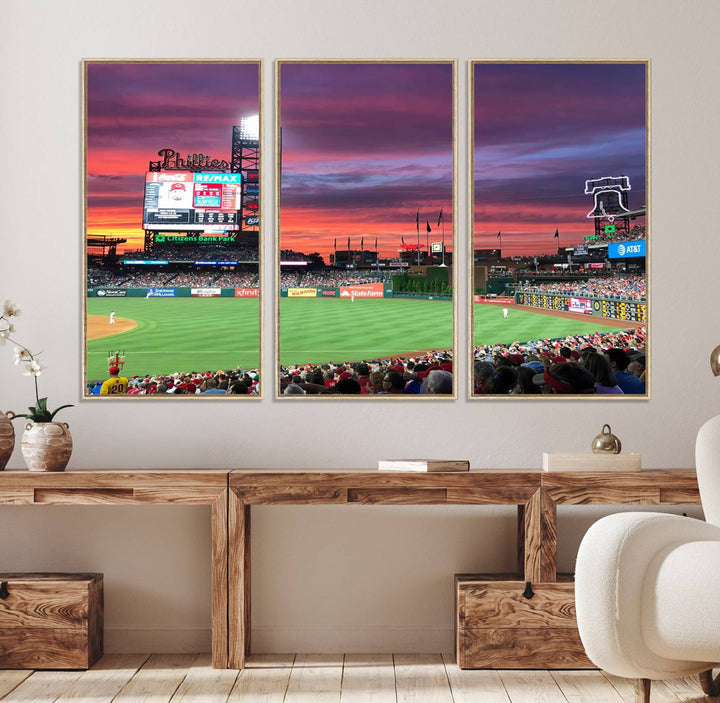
(134, 109)
(541, 130)
(364, 146)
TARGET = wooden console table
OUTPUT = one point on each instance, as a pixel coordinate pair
(202, 487)
(537, 495)
(231, 495)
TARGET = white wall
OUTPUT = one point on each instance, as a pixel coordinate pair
(368, 577)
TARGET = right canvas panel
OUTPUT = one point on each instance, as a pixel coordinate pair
(560, 240)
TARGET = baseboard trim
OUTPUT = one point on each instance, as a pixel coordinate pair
(147, 640)
(277, 640)
(352, 639)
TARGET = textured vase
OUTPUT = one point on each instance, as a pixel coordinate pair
(46, 446)
(7, 437)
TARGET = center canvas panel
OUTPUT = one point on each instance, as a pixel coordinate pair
(365, 211)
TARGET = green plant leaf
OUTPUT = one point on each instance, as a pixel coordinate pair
(42, 404)
(57, 410)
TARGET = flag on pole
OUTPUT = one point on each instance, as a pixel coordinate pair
(498, 236)
(348, 243)
(557, 235)
(402, 239)
(335, 243)
(375, 243)
(440, 217)
(362, 243)
(417, 221)
(427, 225)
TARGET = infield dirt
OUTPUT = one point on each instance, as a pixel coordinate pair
(99, 326)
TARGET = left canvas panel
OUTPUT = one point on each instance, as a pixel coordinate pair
(172, 229)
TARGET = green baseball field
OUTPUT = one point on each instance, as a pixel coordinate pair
(523, 325)
(318, 330)
(164, 335)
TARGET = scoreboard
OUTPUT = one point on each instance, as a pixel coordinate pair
(189, 201)
(629, 310)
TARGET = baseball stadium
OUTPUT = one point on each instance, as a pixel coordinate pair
(563, 312)
(172, 268)
(365, 269)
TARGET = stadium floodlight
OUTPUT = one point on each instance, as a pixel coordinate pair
(250, 127)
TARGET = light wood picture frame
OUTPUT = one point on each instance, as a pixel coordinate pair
(560, 239)
(365, 197)
(172, 226)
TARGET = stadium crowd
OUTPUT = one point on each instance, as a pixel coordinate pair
(182, 279)
(167, 251)
(223, 382)
(618, 287)
(423, 374)
(636, 233)
(332, 278)
(329, 278)
(609, 363)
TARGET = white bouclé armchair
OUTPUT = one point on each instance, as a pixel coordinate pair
(647, 586)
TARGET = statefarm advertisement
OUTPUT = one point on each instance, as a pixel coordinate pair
(362, 290)
(182, 200)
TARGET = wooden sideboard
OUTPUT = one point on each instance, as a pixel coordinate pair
(201, 487)
(535, 493)
(231, 494)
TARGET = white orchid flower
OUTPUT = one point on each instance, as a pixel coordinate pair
(10, 309)
(22, 355)
(33, 368)
(5, 333)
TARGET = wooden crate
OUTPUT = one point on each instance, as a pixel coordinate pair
(497, 627)
(50, 621)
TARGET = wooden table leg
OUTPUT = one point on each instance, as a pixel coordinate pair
(537, 538)
(238, 581)
(219, 614)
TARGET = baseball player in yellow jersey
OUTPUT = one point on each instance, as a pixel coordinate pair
(116, 384)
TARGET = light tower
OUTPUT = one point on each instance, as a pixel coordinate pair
(245, 159)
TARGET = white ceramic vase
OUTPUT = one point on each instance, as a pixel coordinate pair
(46, 446)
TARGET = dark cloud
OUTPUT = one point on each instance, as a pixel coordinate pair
(366, 109)
(542, 130)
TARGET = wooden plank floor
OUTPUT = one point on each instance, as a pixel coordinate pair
(323, 678)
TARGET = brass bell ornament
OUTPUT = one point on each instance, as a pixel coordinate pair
(606, 442)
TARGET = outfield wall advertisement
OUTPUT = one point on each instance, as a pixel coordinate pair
(302, 292)
(493, 299)
(363, 290)
(183, 292)
(629, 310)
(205, 292)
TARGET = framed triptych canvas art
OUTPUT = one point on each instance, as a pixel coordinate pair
(366, 251)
